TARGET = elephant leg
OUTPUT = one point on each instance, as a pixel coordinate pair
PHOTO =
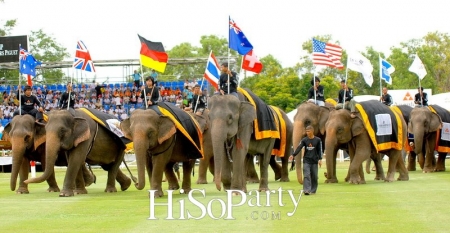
(412, 161)
(299, 169)
(440, 164)
(429, 155)
(264, 168)
(80, 186)
(112, 174)
(275, 167)
(285, 168)
(202, 170)
(52, 185)
(355, 169)
(187, 171)
(377, 158)
(394, 156)
(123, 180)
(88, 176)
(170, 176)
(368, 166)
(226, 173)
(252, 176)
(158, 167)
(401, 168)
(23, 175)
(73, 169)
(211, 165)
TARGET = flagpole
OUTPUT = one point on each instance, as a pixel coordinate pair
(18, 88)
(345, 82)
(142, 79)
(314, 84)
(381, 73)
(228, 75)
(198, 96)
(242, 62)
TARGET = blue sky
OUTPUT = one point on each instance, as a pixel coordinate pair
(109, 28)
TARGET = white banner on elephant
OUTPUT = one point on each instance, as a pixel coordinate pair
(384, 124)
(445, 133)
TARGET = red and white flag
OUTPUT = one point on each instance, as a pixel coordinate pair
(252, 63)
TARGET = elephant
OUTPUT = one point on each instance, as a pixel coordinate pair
(158, 145)
(425, 125)
(23, 132)
(405, 110)
(79, 136)
(281, 171)
(231, 129)
(342, 129)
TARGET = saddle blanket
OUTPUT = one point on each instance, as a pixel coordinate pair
(265, 123)
(187, 125)
(280, 143)
(383, 125)
(443, 135)
(404, 111)
(110, 123)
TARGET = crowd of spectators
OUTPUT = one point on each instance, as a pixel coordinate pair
(119, 99)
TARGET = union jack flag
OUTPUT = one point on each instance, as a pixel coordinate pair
(237, 40)
(83, 60)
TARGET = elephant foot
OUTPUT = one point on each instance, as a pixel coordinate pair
(158, 194)
(277, 176)
(263, 189)
(22, 190)
(202, 181)
(174, 186)
(53, 189)
(403, 178)
(354, 180)
(428, 170)
(388, 180)
(80, 191)
(440, 169)
(125, 185)
(252, 180)
(329, 181)
(110, 189)
(185, 190)
(285, 179)
(411, 169)
(66, 193)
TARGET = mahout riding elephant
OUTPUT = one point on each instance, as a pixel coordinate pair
(342, 129)
(158, 144)
(426, 126)
(82, 139)
(27, 139)
(232, 128)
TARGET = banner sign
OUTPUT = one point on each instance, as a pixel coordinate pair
(9, 47)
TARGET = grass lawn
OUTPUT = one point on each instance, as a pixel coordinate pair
(417, 205)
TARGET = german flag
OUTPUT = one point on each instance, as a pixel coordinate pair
(153, 55)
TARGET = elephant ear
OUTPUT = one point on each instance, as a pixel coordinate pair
(166, 129)
(6, 132)
(357, 127)
(247, 114)
(435, 123)
(39, 135)
(81, 131)
(125, 127)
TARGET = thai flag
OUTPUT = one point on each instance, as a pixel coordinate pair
(212, 71)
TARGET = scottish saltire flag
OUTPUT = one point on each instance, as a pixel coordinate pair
(83, 59)
(237, 40)
(386, 70)
(212, 71)
(27, 63)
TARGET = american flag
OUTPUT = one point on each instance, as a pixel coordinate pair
(327, 54)
(83, 59)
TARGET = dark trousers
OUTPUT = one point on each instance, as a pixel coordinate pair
(153, 107)
(137, 83)
(34, 112)
(310, 177)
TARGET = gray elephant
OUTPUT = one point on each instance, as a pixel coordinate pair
(82, 139)
(27, 138)
(158, 144)
(426, 125)
(232, 137)
(342, 129)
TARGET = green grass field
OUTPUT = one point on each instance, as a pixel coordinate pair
(418, 205)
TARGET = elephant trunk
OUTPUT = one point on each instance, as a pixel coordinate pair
(18, 152)
(418, 145)
(330, 155)
(297, 135)
(51, 154)
(218, 143)
(140, 150)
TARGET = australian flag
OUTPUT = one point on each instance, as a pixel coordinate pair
(237, 40)
(27, 63)
(83, 59)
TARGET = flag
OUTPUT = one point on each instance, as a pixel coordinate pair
(327, 54)
(251, 63)
(153, 55)
(237, 40)
(212, 71)
(27, 63)
(418, 68)
(357, 62)
(386, 70)
(83, 60)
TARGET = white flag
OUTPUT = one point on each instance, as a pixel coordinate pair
(357, 62)
(418, 68)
